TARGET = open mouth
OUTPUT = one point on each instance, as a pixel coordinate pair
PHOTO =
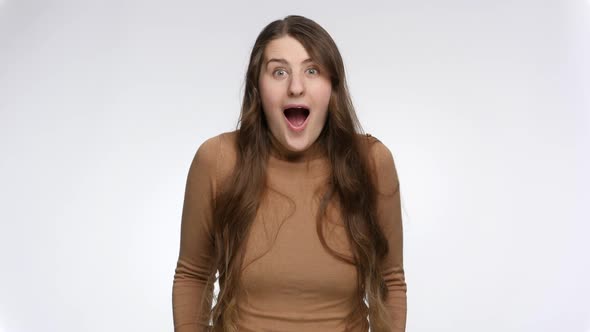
(296, 116)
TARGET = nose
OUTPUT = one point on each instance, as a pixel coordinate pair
(296, 85)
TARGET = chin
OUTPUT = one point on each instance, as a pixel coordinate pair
(295, 147)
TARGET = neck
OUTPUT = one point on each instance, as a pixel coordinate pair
(278, 151)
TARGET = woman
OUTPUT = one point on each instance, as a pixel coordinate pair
(297, 210)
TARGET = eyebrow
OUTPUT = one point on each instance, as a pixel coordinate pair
(284, 62)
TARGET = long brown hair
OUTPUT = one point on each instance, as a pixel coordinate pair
(351, 183)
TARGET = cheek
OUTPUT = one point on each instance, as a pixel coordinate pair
(269, 103)
(324, 94)
(323, 90)
(263, 90)
(324, 100)
(269, 95)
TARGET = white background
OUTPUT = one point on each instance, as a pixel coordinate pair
(484, 104)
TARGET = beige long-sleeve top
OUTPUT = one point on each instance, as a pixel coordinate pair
(292, 283)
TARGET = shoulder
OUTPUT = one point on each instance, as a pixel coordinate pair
(378, 152)
(215, 148)
(382, 162)
(217, 155)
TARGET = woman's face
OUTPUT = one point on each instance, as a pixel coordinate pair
(295, 93)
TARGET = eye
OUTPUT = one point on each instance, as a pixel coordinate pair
(313, 71)
(279, 73)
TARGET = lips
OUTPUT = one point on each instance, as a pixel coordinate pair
(296, 114)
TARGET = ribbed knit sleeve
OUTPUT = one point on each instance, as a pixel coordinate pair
(390, 219)
(196, 241)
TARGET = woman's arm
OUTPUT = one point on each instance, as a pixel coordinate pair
(196, 243)
(390, 218)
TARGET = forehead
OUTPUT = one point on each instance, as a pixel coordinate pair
(287, 48)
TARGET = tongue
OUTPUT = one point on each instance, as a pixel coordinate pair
(296, 117)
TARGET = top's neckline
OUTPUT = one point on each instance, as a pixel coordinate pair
(278, 152)
(311, 163)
